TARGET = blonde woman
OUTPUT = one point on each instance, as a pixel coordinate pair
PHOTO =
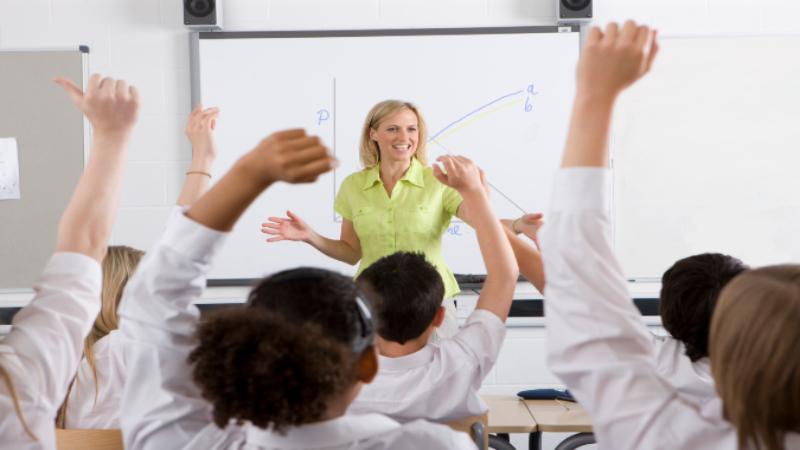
(39, 356)
(597, 343)
(94, 395)
(394, 204)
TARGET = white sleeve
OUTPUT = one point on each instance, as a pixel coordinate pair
(161, 406)
(597, 342)
(46, 338)
(480, 339)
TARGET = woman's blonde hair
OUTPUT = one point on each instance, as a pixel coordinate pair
(118, 266)
(369, 152)
(754, 347)
(15, 400)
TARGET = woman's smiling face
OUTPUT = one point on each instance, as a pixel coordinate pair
(397, 136)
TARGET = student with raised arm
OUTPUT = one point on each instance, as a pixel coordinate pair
(278, 373)
(38, 358)
(597, 342)
(93, 397)
(438, 381)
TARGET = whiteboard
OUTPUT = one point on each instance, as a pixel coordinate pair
(500, 96)
(706, 151)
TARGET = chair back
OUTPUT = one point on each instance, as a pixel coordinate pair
(475, 427)
(74, 439)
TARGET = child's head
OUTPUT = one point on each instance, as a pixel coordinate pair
(755, 354)
(299, 350)
(118, 266)
(689, 291)
(406, 293)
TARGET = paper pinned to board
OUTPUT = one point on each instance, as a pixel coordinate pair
(9, 169)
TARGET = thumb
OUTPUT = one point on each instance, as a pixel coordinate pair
(437, 172)
(74, 92)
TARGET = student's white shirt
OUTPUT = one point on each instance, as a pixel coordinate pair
(439, 382)
(88, 408)
(163, 409)
(693, 380)
(45, 344)
(597, 342)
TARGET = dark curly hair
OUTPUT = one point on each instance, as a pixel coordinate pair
(280, 360)
(689, 292)
(405, 291)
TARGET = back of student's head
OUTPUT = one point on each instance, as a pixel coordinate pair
(689, 292)
(755, 354)
(118, 266)
(282, 359)
(405, 291)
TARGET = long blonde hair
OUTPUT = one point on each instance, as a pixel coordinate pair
(15, 400)
(369, 153)
(118, 266)
(755, 360)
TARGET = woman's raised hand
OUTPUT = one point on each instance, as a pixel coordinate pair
(291, 228)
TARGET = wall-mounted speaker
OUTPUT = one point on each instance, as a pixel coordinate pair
(202, 14)
(574, 10)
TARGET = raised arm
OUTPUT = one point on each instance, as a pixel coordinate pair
(501, 269)
(111, 107)
(200, 131)
(597, 342)
(164, 408)
(529, 259)
(46, 340)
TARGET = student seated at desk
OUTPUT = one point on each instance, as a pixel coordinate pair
(598, 344)
(40, 354)
(278, 373)
(689, 293)
(438, 381)
(93, 397)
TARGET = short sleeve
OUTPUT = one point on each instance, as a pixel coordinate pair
(451, 200)
(342, 204)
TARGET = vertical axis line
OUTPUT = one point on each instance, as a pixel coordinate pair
(334, 149)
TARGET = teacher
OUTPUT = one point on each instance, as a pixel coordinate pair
(394, 204)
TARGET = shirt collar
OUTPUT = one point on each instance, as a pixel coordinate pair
(329, 433)
(413, 175)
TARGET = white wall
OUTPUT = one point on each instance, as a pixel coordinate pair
(145, 42)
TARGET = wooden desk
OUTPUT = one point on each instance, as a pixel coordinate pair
(508, 414)
(559, 416)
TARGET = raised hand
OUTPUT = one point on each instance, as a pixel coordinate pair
(291, 228)
(110, 105)
(615, 59)
(459, 173)
(289, 156)
(200, 131)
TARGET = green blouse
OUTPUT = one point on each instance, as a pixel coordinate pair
(413, 219)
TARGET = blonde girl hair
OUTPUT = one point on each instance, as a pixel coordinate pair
(755, 361)
(118, 266)
(15, 400)
(369, 153)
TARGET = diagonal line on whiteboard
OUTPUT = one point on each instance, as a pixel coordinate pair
(487, 181)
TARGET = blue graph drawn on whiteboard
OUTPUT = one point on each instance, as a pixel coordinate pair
(528, 107)
(476, 114)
